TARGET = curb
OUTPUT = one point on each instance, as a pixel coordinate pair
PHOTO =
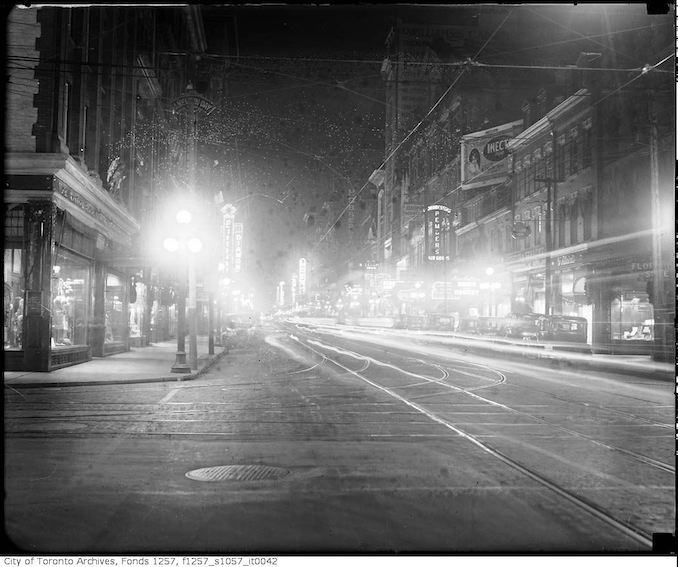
(171, 378)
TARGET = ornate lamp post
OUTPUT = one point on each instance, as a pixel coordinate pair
(188, 244)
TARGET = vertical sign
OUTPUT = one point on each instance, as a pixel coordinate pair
(227, 235)
(302, 276)
(228, 243)
(237, 231)
(437, 233)
(281, 293)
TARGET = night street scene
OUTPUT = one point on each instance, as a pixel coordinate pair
(342, 279)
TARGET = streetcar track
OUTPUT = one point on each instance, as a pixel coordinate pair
(637, 456)
(583, 503)
(614, 411)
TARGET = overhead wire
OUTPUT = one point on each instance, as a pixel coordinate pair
(459, 187)
(413, 130)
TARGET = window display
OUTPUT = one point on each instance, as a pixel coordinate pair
(632, 317)
(13, 314)
(116, 321)
(70, 306)
(137, 308)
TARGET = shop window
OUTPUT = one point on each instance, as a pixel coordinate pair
(70, 300)
(13, 314)
(632, 317)
(115, 319)
(137, 314)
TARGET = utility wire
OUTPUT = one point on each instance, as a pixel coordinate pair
(413, 130)
(459, 187)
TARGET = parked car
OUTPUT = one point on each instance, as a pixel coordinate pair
(238, 327)
(487, 325)
(440, 322)
(520, 325)
(415, 322)
(562, 328)
(480, 325)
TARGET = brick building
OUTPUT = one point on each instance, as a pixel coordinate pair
(79, 178)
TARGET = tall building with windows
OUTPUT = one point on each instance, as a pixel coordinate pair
(81, 158)
(575, 224)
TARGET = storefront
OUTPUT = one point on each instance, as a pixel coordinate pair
(64, 299)
(71, 304)
(624, 313)
(568, 288)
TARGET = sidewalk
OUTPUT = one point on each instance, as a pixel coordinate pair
(144, 364)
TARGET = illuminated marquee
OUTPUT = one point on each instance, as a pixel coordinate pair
(302, 276)
(437, 233)
(238, 230)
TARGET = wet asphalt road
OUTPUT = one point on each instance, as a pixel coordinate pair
(381, 443)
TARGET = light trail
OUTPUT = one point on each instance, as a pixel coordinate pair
(478, 345)
(578, 501)
(636, 456)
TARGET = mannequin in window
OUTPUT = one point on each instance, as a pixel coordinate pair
(18, 321)
(60, 321)
(108, 336)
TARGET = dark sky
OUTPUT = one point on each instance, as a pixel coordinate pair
(304, 116)
(306, 127)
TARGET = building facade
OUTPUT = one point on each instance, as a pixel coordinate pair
(568, 229)
(78, 183)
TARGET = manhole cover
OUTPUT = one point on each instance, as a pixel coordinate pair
(237, 472)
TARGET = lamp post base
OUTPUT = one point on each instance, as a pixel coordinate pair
(180, 365)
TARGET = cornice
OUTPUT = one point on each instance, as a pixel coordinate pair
(543, 125)
(78, 192)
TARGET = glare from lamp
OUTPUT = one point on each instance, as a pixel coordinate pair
(184, 216)
(170, 244)
(194, 245)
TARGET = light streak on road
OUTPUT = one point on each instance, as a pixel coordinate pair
(580, 502)
(638, 457)
(437, 345)
(494, 345)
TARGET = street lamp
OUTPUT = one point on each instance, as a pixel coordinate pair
(188, 245)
